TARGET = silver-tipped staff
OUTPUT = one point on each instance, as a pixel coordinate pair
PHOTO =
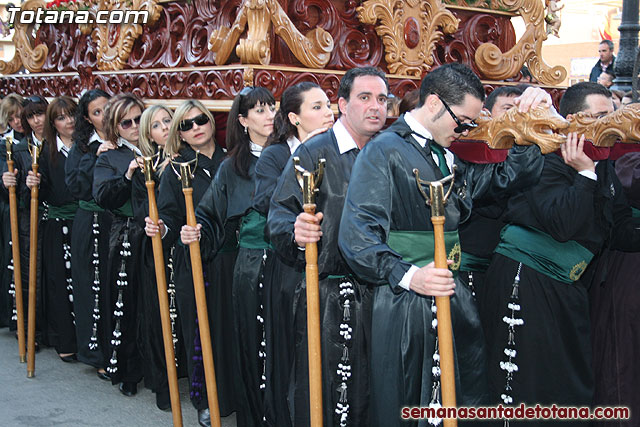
(186, 175)
(150, 164)
(15, 250)
(437, 199)
(309, 182)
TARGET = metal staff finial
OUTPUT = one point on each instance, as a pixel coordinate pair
(436, 198)
(149, 164)
(35, 150)
(9, 142)
(309, 181)
(187, 172)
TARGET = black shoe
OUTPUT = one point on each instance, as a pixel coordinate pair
(163, 400)
(204, 418)
(103, 376)
(128, 389)
(71, 358)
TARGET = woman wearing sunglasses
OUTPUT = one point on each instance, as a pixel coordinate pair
(57, 281)
(154, 133)
(192, 135)
(90, 236)
(112, 191)
(304, 108)
(229, 199)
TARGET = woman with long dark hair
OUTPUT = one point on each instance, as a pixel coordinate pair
(229, 199)
(112, 191)
(57, 281)
(90, 236)
(304, 108)
(192, 136)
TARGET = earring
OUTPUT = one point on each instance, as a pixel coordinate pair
(246, 131)
(297, 123)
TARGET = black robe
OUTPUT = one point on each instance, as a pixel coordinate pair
(218, 274)
(553, 345)
(281, 285)
(229, 199)
(335, 277)
(57, 282)
(90, 226)
(383, 196)
(112, 191)
(615, 302)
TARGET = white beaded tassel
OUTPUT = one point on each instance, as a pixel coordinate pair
(347, 293)
(173, 312)
(12, 288)
(95, 288)
(262, 352)
(66, 247)
(435, 367)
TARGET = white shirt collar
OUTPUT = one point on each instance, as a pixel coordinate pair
(344, 138)
(422, 133)
(121, 141)
(35, 140)
(61, 147)
(95, 137)
(293, 143)
(256, 149)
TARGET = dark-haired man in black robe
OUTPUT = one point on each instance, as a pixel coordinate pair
(344, 302)
(386, 238)
(538, 323)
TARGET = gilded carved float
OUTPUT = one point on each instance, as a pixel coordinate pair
(210, 49)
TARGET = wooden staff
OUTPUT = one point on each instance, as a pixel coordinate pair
(437, 199)
(33, 265)
(15, 249)
(163, 299)
(309, 182)
(201, 301)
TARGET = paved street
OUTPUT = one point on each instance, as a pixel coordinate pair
(70, 394)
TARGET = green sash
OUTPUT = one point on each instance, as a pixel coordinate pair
(90, 206)
(67, 211)
(635, 213)
(125, 210)
(417, 247)
(564, 262)
(471, 262)
(252, 231)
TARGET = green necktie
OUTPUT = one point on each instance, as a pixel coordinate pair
(436, 148)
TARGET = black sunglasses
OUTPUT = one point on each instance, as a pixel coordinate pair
(34, 99)
(187, 124)
(462, 127)
(246, 90)
(126, 124)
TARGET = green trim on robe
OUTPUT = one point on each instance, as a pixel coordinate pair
(564, 262)
(89, 205)
(125, 210)
(471, 262)
(66, 211)
(252, 228)
(417, 247)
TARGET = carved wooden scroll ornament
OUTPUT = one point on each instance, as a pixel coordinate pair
(499, 66)
(409, 31)
(29, 55)
(313, 49)
(547, 129)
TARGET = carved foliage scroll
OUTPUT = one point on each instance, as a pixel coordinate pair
(28, 54)
(312, 49)
(497, 65)
(409, 31)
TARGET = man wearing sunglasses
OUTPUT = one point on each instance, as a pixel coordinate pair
(386, 238)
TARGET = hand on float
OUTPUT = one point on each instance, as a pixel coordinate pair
(10, 179)
(189, 234)
(33, 180)
(531, 98)
(432, 281)
(106, 146)
(307, 228)
(151, 229)
(133, 165)
(574, 156)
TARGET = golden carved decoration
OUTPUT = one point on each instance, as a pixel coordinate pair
(538, 126)
(27, 54)
(247, 76)
(622, 125)
(547, 129)
(312, 49)
(497, 65)
(456, 256)
(409, 31)
(113, 54)
(577, 270)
